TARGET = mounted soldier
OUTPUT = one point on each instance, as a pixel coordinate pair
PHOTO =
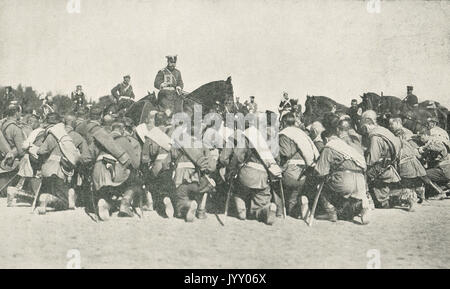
(286, 104)
(410, 100)
(122, 94)
(78, 98)
(170, 84)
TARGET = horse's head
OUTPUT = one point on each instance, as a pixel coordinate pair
(311, 103)
(370, 100)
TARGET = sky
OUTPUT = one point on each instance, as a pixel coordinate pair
(333, 48)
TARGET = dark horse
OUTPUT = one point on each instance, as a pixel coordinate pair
(317, 106)
(413, 117)
(211, 97)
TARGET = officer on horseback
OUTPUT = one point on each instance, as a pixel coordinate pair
(122, 94)
(123, 90)
(410, 100)
(170, 84)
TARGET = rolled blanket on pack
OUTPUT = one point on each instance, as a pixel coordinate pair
(110, 145)
(304, 143)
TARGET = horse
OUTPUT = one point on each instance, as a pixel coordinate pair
(317, 106)
(211, 97)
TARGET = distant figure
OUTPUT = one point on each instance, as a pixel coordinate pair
(78, 97)
(410, 100)
(170, 85)
(354, 112)
(123, 90)
(252, 106)
(48, 106)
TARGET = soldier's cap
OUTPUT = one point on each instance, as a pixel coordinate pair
(127, 76)
(95, 111)
(12, 108)
(354, 100)
(52, 118)
(432, 119)
(171, 58)
(79, 86)
(409, 87)
(252, 97)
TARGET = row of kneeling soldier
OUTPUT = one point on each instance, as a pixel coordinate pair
(110, 165)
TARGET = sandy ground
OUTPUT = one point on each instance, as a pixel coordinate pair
(405, 240)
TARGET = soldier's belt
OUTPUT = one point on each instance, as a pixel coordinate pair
(106, 157)
(125, 97)
(168, 88)
(350, 171)
(255, 166)
(54, 157)
(161, 157)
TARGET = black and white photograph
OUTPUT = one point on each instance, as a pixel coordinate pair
(226, 135)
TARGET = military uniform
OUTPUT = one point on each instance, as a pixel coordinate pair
(252, 184)
(293, 166)
(409, 167)
(252, 107)
(79, 99)
(190, 185)
(53, 177)
(345, 188)
(384, 146)
(168, 97)
(158, 170)
(122, 90)
(14, 138)
(438, 159)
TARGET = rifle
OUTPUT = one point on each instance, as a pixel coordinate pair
(271, 183)
(200, 173)
(36, 197)
(232, 178)
(316, 200)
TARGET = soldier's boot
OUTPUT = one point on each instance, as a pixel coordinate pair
(148, 206)
(201, 211)
(365, 216)
(412, 204)
(192, 210)
(241, 209)
(103, 209)
(71, 197)
(269, 214)
(125, 209)
(11, 196)
(330, 213)
(168, 207)
(304, 207)
(421, 195)
(46, 200)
